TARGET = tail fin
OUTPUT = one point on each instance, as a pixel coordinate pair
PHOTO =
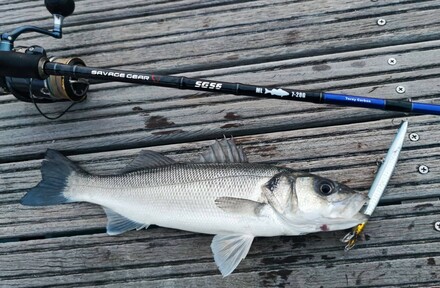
(55, 171)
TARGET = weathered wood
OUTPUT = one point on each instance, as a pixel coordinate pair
(187, 117)
(107, 11)
(314, 45)
(303, 150)
(88, 254)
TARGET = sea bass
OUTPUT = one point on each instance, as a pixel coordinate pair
(222, 194)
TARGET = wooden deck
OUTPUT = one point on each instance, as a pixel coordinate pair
(330, 45)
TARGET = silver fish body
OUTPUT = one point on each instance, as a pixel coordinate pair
(233, 199)
(182, 196)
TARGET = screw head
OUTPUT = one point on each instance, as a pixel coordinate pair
(423, 169)
(392, 61)
(437, 226)
(414, 137)
(9, 38)
(400, 89)
(31, 48)
(381, 22)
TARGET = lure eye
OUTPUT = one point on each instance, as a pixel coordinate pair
(325, 187)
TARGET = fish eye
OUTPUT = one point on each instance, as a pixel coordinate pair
(325, 187)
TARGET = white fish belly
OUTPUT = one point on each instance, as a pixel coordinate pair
(182, 196)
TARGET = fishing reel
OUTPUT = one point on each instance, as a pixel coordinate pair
(44, 89)
(52, 88)
(32, 76)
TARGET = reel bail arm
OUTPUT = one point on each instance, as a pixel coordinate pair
(22, 68)
(58, 8)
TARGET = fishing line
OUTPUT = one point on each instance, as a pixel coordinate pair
(31, 96)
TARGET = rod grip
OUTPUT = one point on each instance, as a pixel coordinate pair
(21, 65)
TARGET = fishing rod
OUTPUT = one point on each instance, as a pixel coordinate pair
(31, 76)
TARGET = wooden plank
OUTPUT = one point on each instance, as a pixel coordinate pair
(382, 272)
(268, 44)
(189, 108)
(107, 10)
(137, 11)
(271, 43)
(94, 256)
(303, 150)
(315, 45)
(395, 275)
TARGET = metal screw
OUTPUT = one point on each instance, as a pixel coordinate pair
(400, 89)
(31, 48)
(437, 226)
(423, 169)
(381, 22)
(414, 137)
(9, 38)
(392, 61)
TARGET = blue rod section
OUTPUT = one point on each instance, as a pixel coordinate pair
(358, 101)
(377, 103)
(426, 108)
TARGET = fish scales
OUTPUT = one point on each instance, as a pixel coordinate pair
(222, 194)
(180, 196)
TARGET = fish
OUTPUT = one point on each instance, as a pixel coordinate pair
(220, 194)
(277, 92)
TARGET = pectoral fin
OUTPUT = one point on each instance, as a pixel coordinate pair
(229, 250)
(239, 206)
(118, 224)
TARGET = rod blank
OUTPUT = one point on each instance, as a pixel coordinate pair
(239, 89)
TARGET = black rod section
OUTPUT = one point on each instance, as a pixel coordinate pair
(51, 68)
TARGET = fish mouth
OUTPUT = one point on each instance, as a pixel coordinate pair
(352, 207)
(349, 214)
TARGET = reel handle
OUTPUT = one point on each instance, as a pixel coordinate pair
(60, 7)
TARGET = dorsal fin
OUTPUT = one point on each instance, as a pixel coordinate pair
(147, 159)
(223, 151)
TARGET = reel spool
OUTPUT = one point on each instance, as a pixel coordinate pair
(67, 88)
(51, 89)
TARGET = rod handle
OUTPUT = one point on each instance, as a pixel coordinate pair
(21, 65)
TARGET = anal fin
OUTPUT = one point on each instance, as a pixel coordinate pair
(118, 224)
(229, 250)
